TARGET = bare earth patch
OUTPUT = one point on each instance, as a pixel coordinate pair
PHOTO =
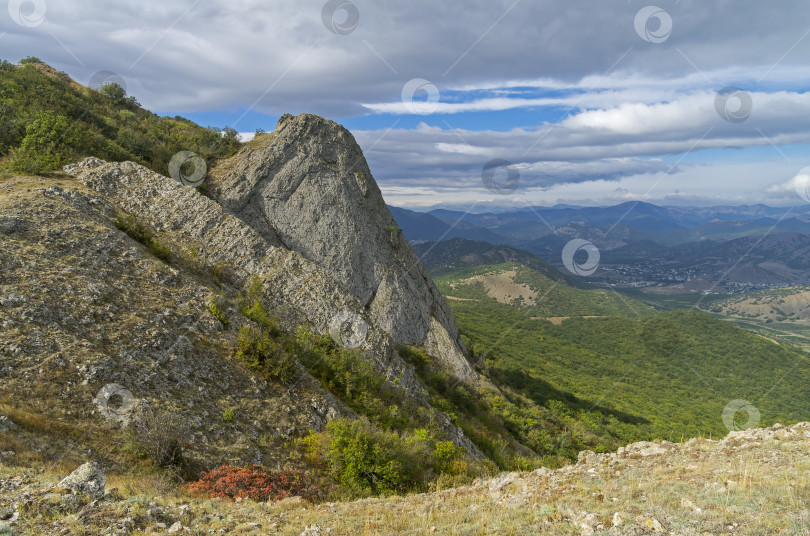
(557, 320)
(502, 287)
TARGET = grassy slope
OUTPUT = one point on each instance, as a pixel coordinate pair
(759, 311)
(669, 373)
(48, 120)
(737, 486)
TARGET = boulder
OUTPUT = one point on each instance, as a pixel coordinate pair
(6, 424)
(86, 479)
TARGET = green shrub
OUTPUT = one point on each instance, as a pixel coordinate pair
(216, 308)
(365, 460)
(49, 143)
(228, 415)
(260, 352)
(259, 314)
(118, 95)
(140, 233)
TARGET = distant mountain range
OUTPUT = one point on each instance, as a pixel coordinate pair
(740, 248)
(627, 221)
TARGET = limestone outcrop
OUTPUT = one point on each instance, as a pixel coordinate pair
(308, 188)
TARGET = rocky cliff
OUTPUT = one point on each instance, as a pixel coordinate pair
(86, 312)
(306, 187)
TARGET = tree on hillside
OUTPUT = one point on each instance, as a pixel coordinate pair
(50, 142)
(119, 95)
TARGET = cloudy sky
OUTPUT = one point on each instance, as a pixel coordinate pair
(475, 104)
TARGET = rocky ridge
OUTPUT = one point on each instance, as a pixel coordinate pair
(86, 313)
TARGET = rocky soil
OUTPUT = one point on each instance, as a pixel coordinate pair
(86, 312)
(752, 482)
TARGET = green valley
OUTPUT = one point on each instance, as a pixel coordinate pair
(606, 350)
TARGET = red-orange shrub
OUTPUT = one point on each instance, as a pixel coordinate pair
(254, 482)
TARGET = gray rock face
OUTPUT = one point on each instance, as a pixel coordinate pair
(308, 186)
(86, 479)
(299, 210)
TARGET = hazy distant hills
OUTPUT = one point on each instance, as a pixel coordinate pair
(451, 255)
(532, 228)
(773, 260)
(425, 227)
(743, 248)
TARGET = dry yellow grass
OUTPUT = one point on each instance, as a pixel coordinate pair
(753, 485)
(502, 287)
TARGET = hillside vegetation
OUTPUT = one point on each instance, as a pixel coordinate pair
(659, 375)
(770, 305)
(448, 256)
(526, 288)
(47, 120)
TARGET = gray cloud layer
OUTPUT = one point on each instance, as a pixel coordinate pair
(633, 101)
(196, 56)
